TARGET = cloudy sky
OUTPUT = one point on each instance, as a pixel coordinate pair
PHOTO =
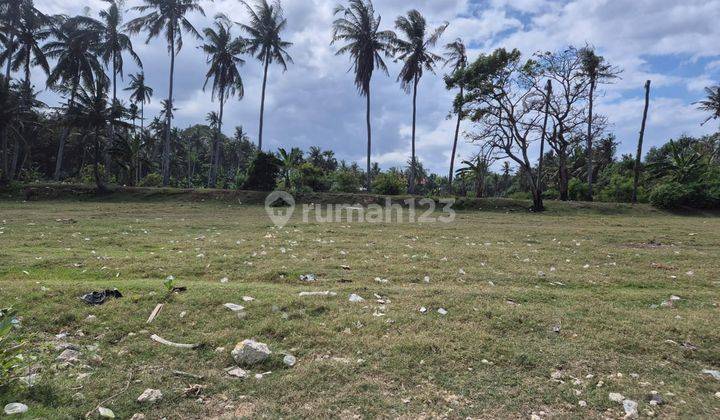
(675, 44)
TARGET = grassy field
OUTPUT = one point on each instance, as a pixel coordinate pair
(546, 314)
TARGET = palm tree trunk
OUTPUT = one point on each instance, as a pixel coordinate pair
(454, 148)
(64, 135)
(590, 142)
(96, 163)
(262, 102)
(369, 137)
(638, 157)
(411, 184)
(168, 124)
(215, 155)
(548, 90)
(111, 128)
(142, 117)
(3, 132)
(16, 156)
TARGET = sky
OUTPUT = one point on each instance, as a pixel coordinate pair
(314, 103)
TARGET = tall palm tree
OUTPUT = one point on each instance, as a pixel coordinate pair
(712, 103)
(168, 16)
(264, 42)
(359, 28)
(26, 49)
(596, 70)
(415, 52)
(75, 50)
(140, 93)
(223, 53)
(114, 43)
(456, 58)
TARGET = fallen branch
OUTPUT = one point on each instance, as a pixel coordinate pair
(127, 385)
(155, 312)
(161, 340)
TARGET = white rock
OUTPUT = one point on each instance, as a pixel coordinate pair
(248, 298)
(714, 373)
(150, 396)
(289, 360)
(717, 395)
(356, 298)
(69, 355)
(630, 408)
(106, 412)
(423, 309)
(250, 352)
(138, 416)
(15, 408)
(442, 311)
(325, 293)
(234, 307)
(426, 279)
(237, 372)
(615, 397)
(224, 280)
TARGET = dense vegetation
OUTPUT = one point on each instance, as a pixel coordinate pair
(512, 102)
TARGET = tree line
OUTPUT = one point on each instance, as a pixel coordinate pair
(513, 105)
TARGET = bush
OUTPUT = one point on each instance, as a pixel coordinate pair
(550, 194)
(262, 173)
(87, 174)
(313, 177)
(346, 182)
(151, 180)
(619, 190)
(578, 190)
(670, 195)
(389, 184)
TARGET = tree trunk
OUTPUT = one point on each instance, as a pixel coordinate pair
(168, 124)
(454, 148)
(111, 128)
(590, 142)
(96, 163)
(548, 90)
(638, 157)
(16, 156)
(411, 183)
(65, 133)
(215, 158)
(563, 178)
(369, 138)
(142, 117)
(3, 132)
(262, 102)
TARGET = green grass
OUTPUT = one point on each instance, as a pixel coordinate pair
(350, 362)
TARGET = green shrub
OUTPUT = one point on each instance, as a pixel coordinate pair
(521, 195)
(346, 182)
(578, 190)
(389, 183)
(313, 177)
(151, 180)
(549, 194)
(619, 189)
(669, 195)
(262, 173)
(87, 174)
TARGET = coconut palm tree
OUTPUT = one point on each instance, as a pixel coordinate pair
(140, 93)
(596, 70)
(114, 43)
(265, 43)
(168, 16)
(26, 49)
(414, 52)
(359, 28)
(223, 52)
(75, 50)
(456, 58)
(712, 103)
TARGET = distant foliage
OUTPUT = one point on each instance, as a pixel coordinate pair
(151, 180)
(263, 173)
(389, 183)
(346, 181)
(670, 195)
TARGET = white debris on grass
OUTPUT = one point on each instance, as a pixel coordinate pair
(324, 293)
(106, 412)
(355, 298)
(150, 396)
(234, 307)
(289, 360)
(15, 408)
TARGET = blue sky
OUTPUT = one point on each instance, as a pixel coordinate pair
(675, 44)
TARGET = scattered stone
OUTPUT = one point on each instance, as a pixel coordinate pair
(248, 298)
(631, 409)
(423, 310)
(91, 318)
(426, 279)
(69, 356)
(582, 403)
(15, 408)
(138, 416)
(237, 372)
(717, 395)
(442, 311)
(150, 396)
(234, 307)
(224, 280)
(615, 397)
(356, 298)
(250, 352)
(325, 293)
(289, 360)
(106, 412)
(714, 373)
(556, 375)
(308, 277)
(656, 399)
